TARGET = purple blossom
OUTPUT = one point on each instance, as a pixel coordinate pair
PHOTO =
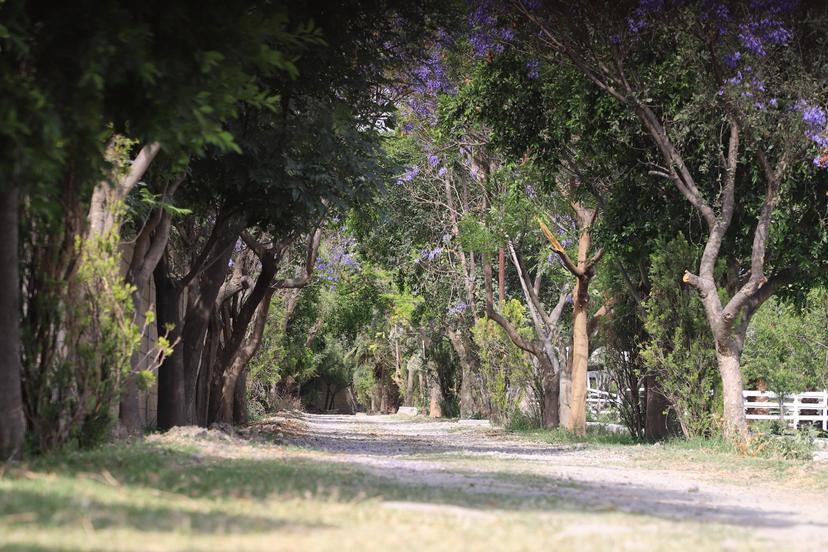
(430, 254)
(408, 126)
(773, 102)
(732, 60)
(735, 79)
(636, 26)
(814, 117)
(530, 192)
(532, 69)
(409, 175)
(433, 160)
(751, 42)
(441, 172)
(458, 308)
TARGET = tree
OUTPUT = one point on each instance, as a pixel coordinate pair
(627, 62)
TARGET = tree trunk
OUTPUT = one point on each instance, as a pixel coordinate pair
(12, 419)
(580, 357)
(240, 400)
(146, 254)
(234, 371)
(130, 405)
(196, 322)
(735, 423)
(468, 406)
(409, 388)
(551, 393)
(655, 424)
(565, 395)
(171, 371)
(435, 407)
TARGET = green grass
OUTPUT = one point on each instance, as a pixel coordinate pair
(191, 496)
(594, 436)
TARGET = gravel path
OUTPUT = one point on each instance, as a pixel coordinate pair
(473, 456)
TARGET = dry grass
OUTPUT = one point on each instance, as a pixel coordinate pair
(196, 490)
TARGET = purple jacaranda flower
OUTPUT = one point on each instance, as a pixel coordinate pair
(433, 160)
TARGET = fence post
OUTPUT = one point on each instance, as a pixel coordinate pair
(795, 411)
(825, 410)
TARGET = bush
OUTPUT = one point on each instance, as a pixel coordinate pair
(798, 445)
(680, 351)
(505, 371)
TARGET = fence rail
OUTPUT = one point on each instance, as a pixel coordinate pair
(793, 409)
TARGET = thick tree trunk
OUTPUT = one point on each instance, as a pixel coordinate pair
(735, 423)
(435, 407)
(468, 406)
(195, 327)
(655, 424)
(234, 373)
(146, 254)
(12, 419)
(551, 393)
(171, 371)
(240, 400)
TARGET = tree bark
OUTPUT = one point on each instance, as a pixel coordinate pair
(580, 356)
(235, 372)
(573, 416)
(655, 423)
(146, 254)
(12, 419)
(435, 408)
(468, 408)
(735, 423)
(102, 216)
(171, 371)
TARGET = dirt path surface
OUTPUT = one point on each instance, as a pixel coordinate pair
(472, 457)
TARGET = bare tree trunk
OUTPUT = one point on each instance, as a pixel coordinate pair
(732, 386)
(12, 419)
(580, 357)
(409, 387)
(435, 407)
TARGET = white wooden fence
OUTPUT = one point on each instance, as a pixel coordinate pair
(794, 409)
(598, 401)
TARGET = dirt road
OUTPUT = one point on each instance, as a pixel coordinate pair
(472, 457)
